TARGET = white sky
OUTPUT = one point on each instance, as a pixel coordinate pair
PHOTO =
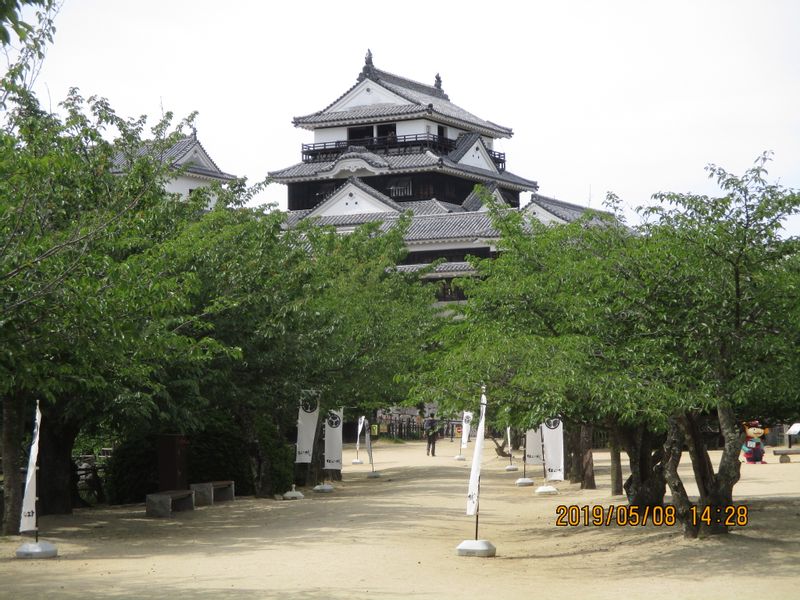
(635, 97)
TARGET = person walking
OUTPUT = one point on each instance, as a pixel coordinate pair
(431, 431)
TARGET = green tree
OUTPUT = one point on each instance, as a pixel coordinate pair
(11, 18)
(365, 321)
(88, 302)
(648, 331)
(723, 294)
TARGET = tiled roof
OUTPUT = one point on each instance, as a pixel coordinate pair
(394, 162)
(345, 220)
(422, 228)
(371, 191)
(370, 72)
(481, 175)
(416, 162)
(445, 108)
(463, 144)
(293, 217)
(445, 268)
(417, 208)
(360, 112)
(376, 160)
(450, 226)
(430, 207)
(563, 210)
(474, 201)
(425, 99)
(173, 155)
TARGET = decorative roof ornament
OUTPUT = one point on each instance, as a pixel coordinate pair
(438, 82)
(369, 68)
(194, 132)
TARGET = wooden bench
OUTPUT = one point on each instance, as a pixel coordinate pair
(785, 452)
(213, 491)
(161, 504)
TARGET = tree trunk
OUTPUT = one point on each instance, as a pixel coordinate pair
(701, 462)
(259, 457)
(716, 489)
(517, 439)
(673, 449)
(260, 470)
(729, 467)
(646, 485)
(587, 460)
(316, 468)
(13, 423)
(57, 484)
(572, 454)
(616, 462)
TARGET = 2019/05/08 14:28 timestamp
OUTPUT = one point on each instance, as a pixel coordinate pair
(574, 515)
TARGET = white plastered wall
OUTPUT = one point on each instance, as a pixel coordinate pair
(350, 201)
(366, 93)
(476, 156)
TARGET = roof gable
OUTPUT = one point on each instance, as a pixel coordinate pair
(550, 210)
(187, 154)
(196, 156)
(355, 198)
(366, 93)
(369, 71)
(470, 150)
(395, 97)
(474, 202)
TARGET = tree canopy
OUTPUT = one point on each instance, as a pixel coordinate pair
(658, 331)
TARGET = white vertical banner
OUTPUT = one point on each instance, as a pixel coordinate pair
(27, 521)
(466, 423)
(508, 437)
(307, 416)
(368, 440)
(333, 439)
(358, 435)
(553, 438)
(477, 456)
(533, 447)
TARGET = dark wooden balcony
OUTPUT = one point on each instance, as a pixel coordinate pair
(389, 144)
(499, 159)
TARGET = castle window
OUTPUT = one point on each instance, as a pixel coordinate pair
(359, 133)
(387, 130)
(400, 187)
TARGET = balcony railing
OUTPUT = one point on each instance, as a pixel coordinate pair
(389, 144)
(499, 159)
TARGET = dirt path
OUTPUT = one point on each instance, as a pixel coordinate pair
(395, 537)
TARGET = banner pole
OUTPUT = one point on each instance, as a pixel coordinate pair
(478, 508)
(524, 455)
(36, 500)
(477, 547)
(43, 548)
(544, 466)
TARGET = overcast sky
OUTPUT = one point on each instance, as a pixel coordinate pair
(634, 97)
